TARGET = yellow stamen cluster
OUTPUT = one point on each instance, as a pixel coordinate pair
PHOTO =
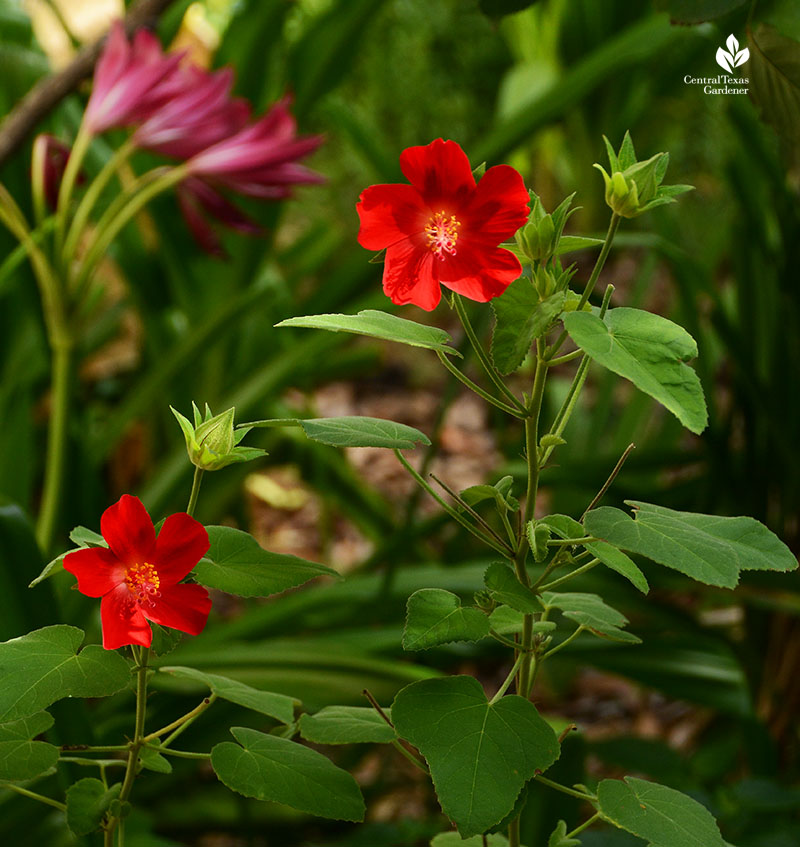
(143, 582)
(442, 234)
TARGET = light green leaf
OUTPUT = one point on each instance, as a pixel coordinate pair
(453, 839)
(152, 760)
(24, 759)
(277, 706)
(480, 754)
(648, 350)
(363, 432)
(589, 611)
(379, 325)
(44, 666)
(506, 588)
(435, 616)
(570, 243)
(271, 768)
(500, 492)
(708, 548)
(609, 555)
(506, 621)
(26, 728)
(559, 837)
(660, 815)
(87, 802)
(236, 563)
(346, 725)
(520, 318)
(84, 537)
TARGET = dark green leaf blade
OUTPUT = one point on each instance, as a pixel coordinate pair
(277, 706)
(520, 318)
(379, 325)
(45, 665)
(271, 768)
(506, 588)
(453, 839)
(237, 564)
(355, 431)
(648, 350)
(589, 611)
(435, 616)
(347, 725)
(87, 802)
(660, 815)
(708, 548)
(480, 753)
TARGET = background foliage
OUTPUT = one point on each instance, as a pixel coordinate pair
(538, 89)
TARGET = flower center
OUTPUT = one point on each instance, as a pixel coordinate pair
(442, 234)
(143, 582)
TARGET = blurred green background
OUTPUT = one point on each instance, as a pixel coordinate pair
(710, 702)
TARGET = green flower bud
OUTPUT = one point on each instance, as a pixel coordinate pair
(538, 239)
(484, 600)
(211, 442)
(538, 538)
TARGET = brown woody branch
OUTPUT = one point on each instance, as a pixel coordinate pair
(51, 90)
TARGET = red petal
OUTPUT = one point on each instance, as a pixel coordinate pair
(184, 607)
(499, 206)
(98, 570)
(480, 273)
(409, 276)
(439, 171)
(123, 621)
(199, 227)
(388, 214)
(180, 545)
(127, 528)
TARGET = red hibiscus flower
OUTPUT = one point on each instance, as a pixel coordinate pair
(443, 229)
(137, 575)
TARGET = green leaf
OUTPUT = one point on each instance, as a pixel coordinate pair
(559, 837)
(87, 802)
(453, 839)
(22, 760)
(506, 588)
(589, 611)
(152, 760)
(26, 728)
(571, 243)
(435, 616)
(84, 537)
(271, 768)
(45, 666)
(363, 432)
(379, 325)
(500, 492)
(236, 563)
(648, 350)
(480, 754)
(774, 73)
(660, 815)
(708, 548)
(346, 725)
(697, 11)
(520, 318)
(277, 706)
(506, 621)
(609, 555)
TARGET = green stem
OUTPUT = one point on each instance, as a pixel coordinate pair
(80, 146)
(513, 833)
(34, 796)
(562, 360)
(57, 436)
(456, 516)
(181, 754)
(571, 542)
(483, 358)
(608, 483)
(445, 360)
(508, 680)
(101, 763)
(91, 197)
(470, 511)
(585, 825)
(418, 763)
(563, 644)
(196, 480)
(588, 566)
(580, 795)
(181, 723)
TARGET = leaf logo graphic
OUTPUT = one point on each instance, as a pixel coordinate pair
(733, 56)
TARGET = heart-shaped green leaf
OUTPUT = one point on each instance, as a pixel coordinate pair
(271, 768)
(708, 548)
(237, 563)
(45, 665)
(435, 616)
(660, 815)
(480, 753)
(648, 350)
